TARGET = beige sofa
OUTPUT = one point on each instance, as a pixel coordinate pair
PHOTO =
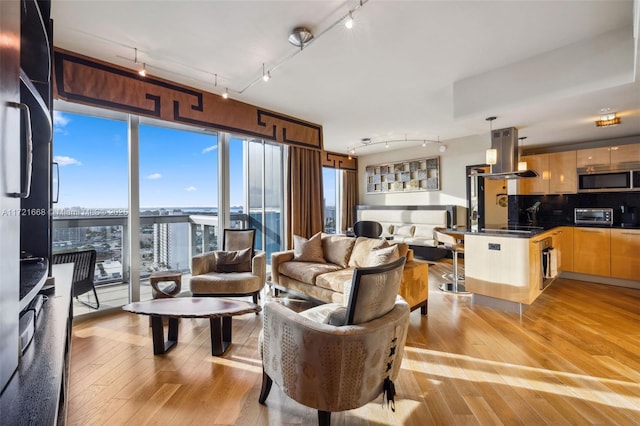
(325, 282)
(413, 225)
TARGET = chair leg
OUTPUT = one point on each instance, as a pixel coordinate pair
(91, 305)
(324, 418)
(266, 387)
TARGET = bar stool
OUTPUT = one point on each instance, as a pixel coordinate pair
(449, 242)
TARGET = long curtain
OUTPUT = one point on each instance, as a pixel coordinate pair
(305, 208)
(349, 197)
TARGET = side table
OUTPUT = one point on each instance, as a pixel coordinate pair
(170, 290)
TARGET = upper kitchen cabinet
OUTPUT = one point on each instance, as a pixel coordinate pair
(539, 184)
(625, 154)
(563, 178)
(593, 157)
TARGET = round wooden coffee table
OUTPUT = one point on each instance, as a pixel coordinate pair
(218, 310)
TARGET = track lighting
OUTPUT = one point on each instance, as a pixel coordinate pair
(349, 22)
(143, 72)
(368, 142)
(226, 93)
(265, 76)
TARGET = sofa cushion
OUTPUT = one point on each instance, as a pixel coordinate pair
(335, 281)
(382, 255)
(424, 231)
(403, 231)
(308, 250)
(337, 249)
(328, 313)
(305, 272)
(233, 261)
(225, 283)
(426, 242)
(362, 248)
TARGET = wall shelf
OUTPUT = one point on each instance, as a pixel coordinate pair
(404, 176)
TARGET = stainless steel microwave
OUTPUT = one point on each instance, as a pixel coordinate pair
(610, 181)
(593, 216)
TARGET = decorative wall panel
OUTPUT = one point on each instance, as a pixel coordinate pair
(404, 176)
(88, 81)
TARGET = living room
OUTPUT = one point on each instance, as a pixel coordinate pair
(341, 93)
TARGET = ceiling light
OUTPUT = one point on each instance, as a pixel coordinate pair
(349, 22)
(442, 148)
(522, 165)
(226, 93)
(491, 156)
(608, 119)
(300, 37)
(143, 71)
(265, 76)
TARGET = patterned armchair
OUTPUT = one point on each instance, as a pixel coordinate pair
(344, 366)
(236, 271)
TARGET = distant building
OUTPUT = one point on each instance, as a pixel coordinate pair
(171, 245)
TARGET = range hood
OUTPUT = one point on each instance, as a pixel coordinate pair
(505, 142)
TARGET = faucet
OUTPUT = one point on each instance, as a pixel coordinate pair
(532, 213)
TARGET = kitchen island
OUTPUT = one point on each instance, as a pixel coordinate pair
(504, 269)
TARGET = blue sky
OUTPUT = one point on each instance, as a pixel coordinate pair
(177, 168)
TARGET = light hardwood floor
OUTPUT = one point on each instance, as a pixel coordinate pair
(572, 358)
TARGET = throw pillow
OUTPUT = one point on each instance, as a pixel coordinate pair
(308, 250)
(382, 255)
(337, 249)
(362, 248)
(233, 261)
(337, 317)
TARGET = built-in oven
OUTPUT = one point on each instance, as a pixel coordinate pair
(593, 216)
(608, 181)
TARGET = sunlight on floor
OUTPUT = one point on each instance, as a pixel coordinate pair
(464, 367)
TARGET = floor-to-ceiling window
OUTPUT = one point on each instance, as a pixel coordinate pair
(178, 170)
(265, 165)
(331, 180)
(179, 190)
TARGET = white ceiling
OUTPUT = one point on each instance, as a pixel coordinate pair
(545, 67)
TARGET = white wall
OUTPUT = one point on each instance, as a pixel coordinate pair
(453, 184)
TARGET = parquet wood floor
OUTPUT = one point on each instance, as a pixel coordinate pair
(572, 358)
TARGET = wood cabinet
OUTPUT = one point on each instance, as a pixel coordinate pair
(625, 154)
(592, 251)
(593, 157)
(540, 184)
(556, 174)
(563, 177)
(625, 254)
(562, 240)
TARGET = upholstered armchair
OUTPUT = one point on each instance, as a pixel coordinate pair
(238, 270)
(335, 357)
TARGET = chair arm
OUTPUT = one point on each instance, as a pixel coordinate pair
(332, 368)
(203, 263)
(278, 258)
(259, 265)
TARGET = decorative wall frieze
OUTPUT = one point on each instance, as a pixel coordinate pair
(88, 81)
(339, 161)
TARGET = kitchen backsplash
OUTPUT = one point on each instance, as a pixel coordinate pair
(558, 209)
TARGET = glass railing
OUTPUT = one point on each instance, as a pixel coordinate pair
(166, 241)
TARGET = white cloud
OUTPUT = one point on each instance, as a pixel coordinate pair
(59, 119)
(63, 160)
(209, 149)
(154, 176)
(191, 189)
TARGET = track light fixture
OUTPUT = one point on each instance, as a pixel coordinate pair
(226, 93)
(349, 22)
(143, 71)
(265, 76)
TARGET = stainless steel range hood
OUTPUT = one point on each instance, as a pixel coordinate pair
(505, 142)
